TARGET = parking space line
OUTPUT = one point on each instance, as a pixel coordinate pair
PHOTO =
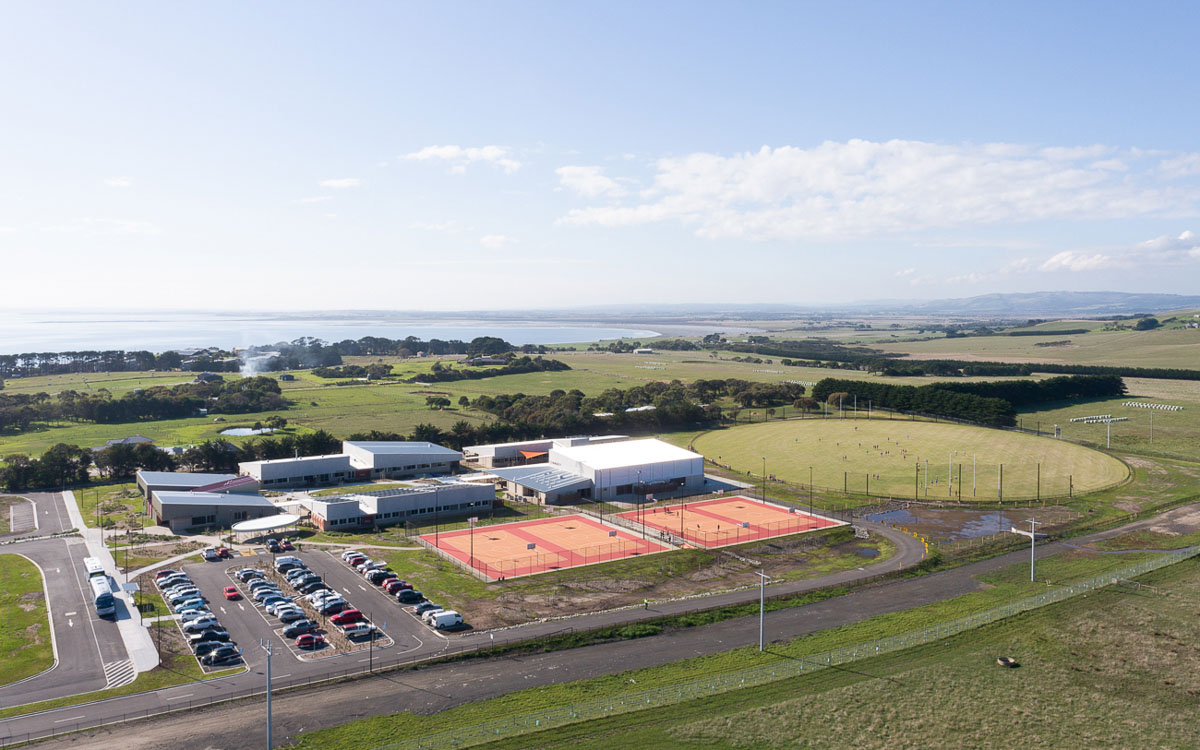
(177, 697)
(73, 718)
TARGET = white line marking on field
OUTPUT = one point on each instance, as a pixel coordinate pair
(73, 718)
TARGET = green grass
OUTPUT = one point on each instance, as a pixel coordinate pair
(1005, 585)
(1176, 433)
(1171, 347)
(6, 504)
(790, 447)
(388, 406)
(113, 506)
(25, 639)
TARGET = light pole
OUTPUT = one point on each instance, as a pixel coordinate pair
(269, 649)
(764, 476)
(810, 491)
(1032, 534)
(762, 600)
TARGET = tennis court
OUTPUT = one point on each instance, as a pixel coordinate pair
(728, 520)
(522, 548)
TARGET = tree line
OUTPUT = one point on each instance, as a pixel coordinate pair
(441, 373)
(243, 396)
(33, 364)
(986, 403)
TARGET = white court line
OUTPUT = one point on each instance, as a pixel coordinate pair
(73, 718)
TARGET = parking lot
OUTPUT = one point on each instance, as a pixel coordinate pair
(248, 623)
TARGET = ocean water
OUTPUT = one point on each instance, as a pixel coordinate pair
(24, 331)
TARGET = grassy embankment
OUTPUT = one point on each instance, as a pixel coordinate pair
(966, 655)
(26, 647)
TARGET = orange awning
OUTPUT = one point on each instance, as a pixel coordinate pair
(529, 455)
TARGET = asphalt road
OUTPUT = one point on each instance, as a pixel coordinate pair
(89, 650)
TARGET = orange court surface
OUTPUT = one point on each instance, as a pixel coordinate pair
(521, 548)
(728, 520)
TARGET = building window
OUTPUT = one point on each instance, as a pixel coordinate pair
(239, 515)
(624, 489)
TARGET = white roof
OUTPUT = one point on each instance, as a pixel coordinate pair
(266, 523)
(625, 453)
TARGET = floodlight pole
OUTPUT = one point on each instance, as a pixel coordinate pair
(810, 491)
(764, 482)
(1151, 428)
(762, 600)
(1108, 424)
(1032, 545)
(267, 647)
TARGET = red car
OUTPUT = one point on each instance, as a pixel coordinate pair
(347, 617)
(287, 544)
(164, 573)
(231, 593)
(310, 640)
(223, 552)
(396, 585)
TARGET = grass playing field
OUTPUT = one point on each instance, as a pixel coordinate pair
(891, 455)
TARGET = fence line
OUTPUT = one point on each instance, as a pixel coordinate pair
(707, 686)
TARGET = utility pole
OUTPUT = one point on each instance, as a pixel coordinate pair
(270, 651)
(810, 491)
(1108, 424)
(1151, 428)
(762, 608)
(1032, 544)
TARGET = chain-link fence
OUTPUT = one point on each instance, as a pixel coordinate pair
(699, 688)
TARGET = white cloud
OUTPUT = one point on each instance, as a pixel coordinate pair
(589, 182)
(313, 199)
(1168, 249)
(496, 241)
(119, 182)
(341, 183)
(906, 272)
(1073, 260)
(1184, 165)
(461, 157)
(862, 188)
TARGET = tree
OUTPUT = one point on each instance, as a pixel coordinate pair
(1145, 324)
(464, 402)
(437, 402)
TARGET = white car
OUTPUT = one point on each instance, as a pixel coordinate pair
(317, 596)
(188, 615)
(349, 554)
(210, 554)
(428, 615)
(276, 606)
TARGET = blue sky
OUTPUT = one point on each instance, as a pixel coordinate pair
(488, 155)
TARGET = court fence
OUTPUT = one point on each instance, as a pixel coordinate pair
(785, 668)
(540, 561)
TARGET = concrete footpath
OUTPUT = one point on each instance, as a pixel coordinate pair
(135, 635)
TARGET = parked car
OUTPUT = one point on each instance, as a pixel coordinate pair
(312, 586)
(210, 554)
(227, 652)
(331, 606)
(174, 580)
(310, 640)
(316, 596)
(409, 596)
(347, 554)
(447, 618)
(299, 627)
(298, 572)
(165, 572)
(356, 560)
(273, 546)
(274, 599)
(291, 615)
(263, 593)
(188, 615)
(429, 614)
(379, 576)
(231, 593)
(245, 574)
(178, 599)
(273, 607)
(368, 565)
(206, 647)
(424, 607)
(181, 592)
(200, 625)
(261, 583)
(224, 552)
(347, 617)
(193, 603)
(306, 580)
(287, 545)
(213, 634)
(357, 629)
(394, 587)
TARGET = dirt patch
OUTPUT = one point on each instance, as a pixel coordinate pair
(1178, 522)
(30, 601)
